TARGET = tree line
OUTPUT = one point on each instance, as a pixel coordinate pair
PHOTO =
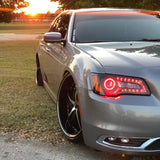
(141, 4)
(8, 6)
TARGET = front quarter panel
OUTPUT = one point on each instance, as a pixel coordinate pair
(82, 66)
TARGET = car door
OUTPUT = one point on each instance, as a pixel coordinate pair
(56, 54)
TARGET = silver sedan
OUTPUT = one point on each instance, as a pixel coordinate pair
(102, 68)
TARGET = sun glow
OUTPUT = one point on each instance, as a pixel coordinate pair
(40, 6)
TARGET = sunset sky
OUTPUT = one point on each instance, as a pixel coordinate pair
(40, 6)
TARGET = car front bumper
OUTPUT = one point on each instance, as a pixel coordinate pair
(130, 124)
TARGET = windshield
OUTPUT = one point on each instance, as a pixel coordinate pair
(104, 27)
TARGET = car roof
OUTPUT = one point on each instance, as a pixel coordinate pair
(100, 9)
(117, 10)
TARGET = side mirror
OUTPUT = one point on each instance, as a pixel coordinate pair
(52, 37)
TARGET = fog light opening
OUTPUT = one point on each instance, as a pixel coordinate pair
(123, 141)
(118, 141)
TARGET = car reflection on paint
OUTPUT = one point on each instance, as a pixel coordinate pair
(102, 68)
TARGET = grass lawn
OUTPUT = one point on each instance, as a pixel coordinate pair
(25, 109)
(24, 28)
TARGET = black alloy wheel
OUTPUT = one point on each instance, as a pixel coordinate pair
(68, 110)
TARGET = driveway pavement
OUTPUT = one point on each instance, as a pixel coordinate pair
(12, 148)
(12, 36)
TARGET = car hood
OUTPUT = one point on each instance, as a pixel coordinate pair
(124, 54)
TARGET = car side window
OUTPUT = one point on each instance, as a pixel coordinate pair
(61, 24)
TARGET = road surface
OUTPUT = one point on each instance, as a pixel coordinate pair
(12, 36)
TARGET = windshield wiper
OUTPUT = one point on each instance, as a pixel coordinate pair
(150, 40)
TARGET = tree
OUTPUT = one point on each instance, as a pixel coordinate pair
(144, 4)
(8, 6)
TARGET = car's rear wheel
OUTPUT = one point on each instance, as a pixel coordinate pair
(39, 79)
(68, 110)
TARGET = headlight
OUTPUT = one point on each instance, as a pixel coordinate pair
(115, 85)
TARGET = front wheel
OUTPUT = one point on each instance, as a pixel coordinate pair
(68, 110)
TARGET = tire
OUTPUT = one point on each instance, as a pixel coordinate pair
(68, 110)
(39, 79)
